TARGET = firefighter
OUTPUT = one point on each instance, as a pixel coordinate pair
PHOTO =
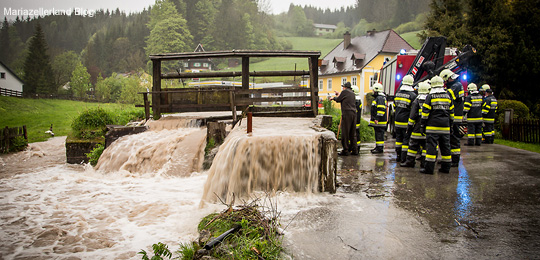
(348, 117)
(378, 117)
(436, 123)
(417, 142)
(473, 111)
(489, 107)
(455, 89)
(403, 101)
(358, 105)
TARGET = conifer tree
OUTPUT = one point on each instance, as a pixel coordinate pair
(38, 73)
(4, 42)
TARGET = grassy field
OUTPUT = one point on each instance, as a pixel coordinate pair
(299, 44)
(39, 114)
(525, 146)
(412, 39)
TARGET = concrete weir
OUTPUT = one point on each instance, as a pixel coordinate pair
(291, 154)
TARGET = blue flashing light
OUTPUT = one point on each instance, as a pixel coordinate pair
(464, 76)
(398, 77)
(402, 52)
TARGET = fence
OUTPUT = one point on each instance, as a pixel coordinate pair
(8, 133)
(10, 92)
(232, 98)
(522, 130)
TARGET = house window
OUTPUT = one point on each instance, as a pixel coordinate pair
(205, 65)
(197, 64)
(372, 80)
(343, 81)
(2, 75)
(329, 85)
(186, 64)
(353, 81)
(321, 85)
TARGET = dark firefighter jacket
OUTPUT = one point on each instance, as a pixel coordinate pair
(402, 102)
(489, 107)
(473, 107)
(415, 116)
(438, 112)
(456, 91)
(378, 110)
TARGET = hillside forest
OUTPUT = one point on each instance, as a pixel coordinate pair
(107, 53)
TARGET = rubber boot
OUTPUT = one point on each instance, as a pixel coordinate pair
(409, 162)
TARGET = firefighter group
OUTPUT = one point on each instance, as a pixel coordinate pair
(428, 120)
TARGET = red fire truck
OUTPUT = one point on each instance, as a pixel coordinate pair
(432, 58)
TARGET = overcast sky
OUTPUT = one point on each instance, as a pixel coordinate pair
(9, 7)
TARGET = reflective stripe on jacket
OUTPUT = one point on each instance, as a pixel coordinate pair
(438, 112)
(489, 107)
(403, 102)
(473, 107)
(378, 111)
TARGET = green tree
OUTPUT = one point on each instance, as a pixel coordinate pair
(80, 81)
(202, 21)
(63, 66)
(5, 47)
(38, 73)
(130, 89)
(299, 24)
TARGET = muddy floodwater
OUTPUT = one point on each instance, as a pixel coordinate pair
(487, 208)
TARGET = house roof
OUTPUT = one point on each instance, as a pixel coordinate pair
(12, 73)
(324, 26)
(362, 50)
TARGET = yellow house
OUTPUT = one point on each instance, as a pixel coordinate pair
(358, 60)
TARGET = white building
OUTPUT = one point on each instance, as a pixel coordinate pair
(10, 83)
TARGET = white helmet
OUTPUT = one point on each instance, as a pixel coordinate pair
(408, 80)
(423, 87)
(472, 87)
(446, 74)
(437, 82)
(377, 87)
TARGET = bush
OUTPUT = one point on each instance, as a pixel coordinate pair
(91, 123)
(94, 155)
(367, 133)
(17, 144)
(520, 110)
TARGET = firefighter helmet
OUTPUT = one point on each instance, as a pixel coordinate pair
(437, 82)
(377, 87)
(408, 80)
(355, 89)
(423, 87)
(446, 74)
(485, 87)
(472, 87)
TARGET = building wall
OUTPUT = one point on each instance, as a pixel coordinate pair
(364, 79)
(8, 80)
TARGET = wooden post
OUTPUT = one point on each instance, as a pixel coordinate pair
(313, 83)
(156, 87)
(6, 138)
(231, 100)
(249, 122)
(245, 77)
(25, 133)
(146, 106)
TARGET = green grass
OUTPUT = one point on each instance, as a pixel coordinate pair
(412, 39)
(299, 44)
(525, 146)
(39, 114)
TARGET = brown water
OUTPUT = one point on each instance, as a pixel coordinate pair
(280, 154)
(172, 146)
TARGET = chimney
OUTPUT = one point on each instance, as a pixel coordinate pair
(346, 40)
(370, 33)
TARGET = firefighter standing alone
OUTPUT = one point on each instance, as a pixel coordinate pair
(489, 107)
(378, 117)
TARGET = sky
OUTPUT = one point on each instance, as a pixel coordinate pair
(10, 8)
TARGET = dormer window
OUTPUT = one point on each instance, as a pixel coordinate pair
(339, 61)
(357, 58)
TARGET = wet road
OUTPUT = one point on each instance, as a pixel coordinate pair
(487, 208)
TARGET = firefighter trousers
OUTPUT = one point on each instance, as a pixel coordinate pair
(416, 146)
(379, 137)
(443, 140)
(455, 145)
(402, 143)
(474, 133)
(489, 132)
(348, 131)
